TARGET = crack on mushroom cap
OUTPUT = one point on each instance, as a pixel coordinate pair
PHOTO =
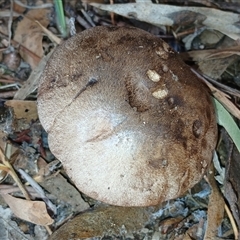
(166, 47)
(115, 127)
(92, 81)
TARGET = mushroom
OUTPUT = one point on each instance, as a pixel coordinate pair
(130, 122)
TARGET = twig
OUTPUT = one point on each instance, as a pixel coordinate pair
(112, 13)
(51, 36)
(10, 25)
(46, 5)
(8, 167)
(88, 18)
(83, 22)
(8, 94)
(220, 96)
(38, 189)
(48, 230)
(6, 189)
(235, 230)
(16, 85)
(7, 80)
(227, 89)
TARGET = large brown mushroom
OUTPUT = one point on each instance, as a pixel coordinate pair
(130, 122)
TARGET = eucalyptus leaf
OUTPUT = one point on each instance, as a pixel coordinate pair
(170, 15)
(226, 120)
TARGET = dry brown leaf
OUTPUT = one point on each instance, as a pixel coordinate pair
(23, 109)
(225, 100)
(221, 97)
(51, 36)
(29, 34)
(215, 61)
(215, 208)
(32, 211)
(3, 143)
(17, 8)
(216, 67)
(210, 54)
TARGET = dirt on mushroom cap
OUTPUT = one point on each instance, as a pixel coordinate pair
(132, 125)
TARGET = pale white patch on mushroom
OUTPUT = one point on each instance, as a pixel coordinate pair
(160, 93)
(174, 76)
(204, 163)
(153, 75)
(165, 68)
(161, 53)
(165, 47)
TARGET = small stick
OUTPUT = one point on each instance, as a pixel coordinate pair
(10, 24)
(11, 171)
(38, 189)
(235, 230)
(112, 14)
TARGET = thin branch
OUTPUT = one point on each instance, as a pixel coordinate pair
(234, 226)
(46, 5)
(10, 25)
(12, 172)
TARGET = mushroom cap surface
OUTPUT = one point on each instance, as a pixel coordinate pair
(130, 122)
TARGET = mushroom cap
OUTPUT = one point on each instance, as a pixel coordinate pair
(130, 122)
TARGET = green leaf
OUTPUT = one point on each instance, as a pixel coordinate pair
(226, 120)
(60, 18)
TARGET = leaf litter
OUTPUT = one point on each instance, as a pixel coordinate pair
(198, 214)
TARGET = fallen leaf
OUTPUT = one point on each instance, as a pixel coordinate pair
(32, 211)
(225, 119)
(169, 15)
(215, 208)
(29, 34)
(214, 62)
(221, 97)
(210, 54)
(10, 227)
(51, 36)
(23, 109)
